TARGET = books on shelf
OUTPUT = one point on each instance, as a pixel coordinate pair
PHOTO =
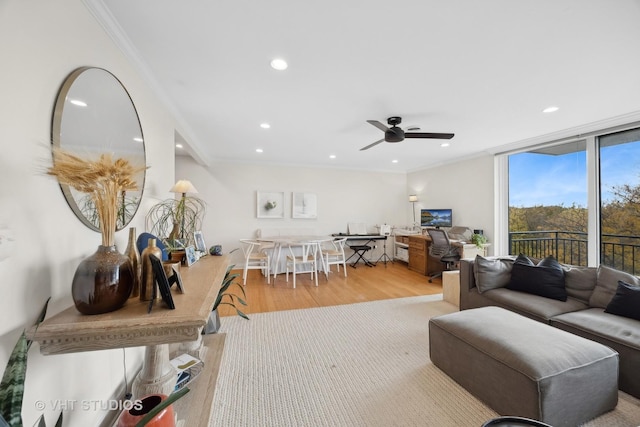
(188, 368)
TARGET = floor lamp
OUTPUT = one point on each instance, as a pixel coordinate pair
(413, 199)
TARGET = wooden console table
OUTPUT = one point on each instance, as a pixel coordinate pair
(70, 331)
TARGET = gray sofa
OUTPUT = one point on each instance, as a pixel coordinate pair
(589, 290)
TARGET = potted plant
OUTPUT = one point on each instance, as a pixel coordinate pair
(478, 240)
(12, 384)
(228, 298)
(176, 219)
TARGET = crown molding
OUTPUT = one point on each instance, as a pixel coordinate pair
(610, 125)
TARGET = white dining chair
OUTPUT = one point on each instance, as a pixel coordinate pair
(302, 258)
(256, 257)
(334, 255)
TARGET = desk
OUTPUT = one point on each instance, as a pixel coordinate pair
(366, 238)
(421, 262)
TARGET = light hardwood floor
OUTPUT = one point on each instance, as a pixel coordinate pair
(361, 284)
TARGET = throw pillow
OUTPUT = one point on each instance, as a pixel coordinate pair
(607, 285)
(492, 273)
(579, 281)
(626, 301)
(545, 279)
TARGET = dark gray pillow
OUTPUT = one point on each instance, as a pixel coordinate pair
(492, 273)
(626, 301)
(545, 279)
(607, 285)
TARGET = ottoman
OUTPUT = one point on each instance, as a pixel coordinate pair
(525, 368)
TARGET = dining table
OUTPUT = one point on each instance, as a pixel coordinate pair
(280, 242)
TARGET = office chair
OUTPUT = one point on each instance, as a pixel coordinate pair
(441, 248)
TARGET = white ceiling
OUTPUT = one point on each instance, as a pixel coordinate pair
(483, 70)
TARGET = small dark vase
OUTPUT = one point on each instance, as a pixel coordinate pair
(103, 281)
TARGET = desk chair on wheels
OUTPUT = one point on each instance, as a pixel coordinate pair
(441, 248)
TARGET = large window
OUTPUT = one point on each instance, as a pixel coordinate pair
(578, 201)
(620, 200)
(548, 202)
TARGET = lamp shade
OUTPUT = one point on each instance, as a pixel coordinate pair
(413, 198)
(183, 186)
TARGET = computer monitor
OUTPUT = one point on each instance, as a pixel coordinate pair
(436, 218)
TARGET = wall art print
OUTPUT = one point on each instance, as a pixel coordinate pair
(270, 204)
(304, 205)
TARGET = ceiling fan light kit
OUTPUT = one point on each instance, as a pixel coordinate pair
(396, 134)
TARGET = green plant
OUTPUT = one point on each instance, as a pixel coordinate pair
(231, 299)
(12, 384)
(186, 213)
(478, 240)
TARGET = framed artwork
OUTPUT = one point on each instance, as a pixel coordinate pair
(270, 204)
(304, 205)
(199, 241)
(190, 254)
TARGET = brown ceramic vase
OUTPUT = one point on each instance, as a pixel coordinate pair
(102, 282)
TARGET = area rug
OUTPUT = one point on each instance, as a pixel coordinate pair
(364, 364)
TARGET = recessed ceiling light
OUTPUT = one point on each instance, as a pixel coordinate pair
(259, 150)
(178, 145)
(265, 125)
(394, 161)
(444, 144)
(279, 64)
(551, 109)
(137, 139)
(78, 102)
(332, 156)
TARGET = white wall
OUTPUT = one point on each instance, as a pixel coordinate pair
(343, 196)
(466, 187)
(42, 42)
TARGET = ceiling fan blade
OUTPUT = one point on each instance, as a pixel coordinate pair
(428, 135)
(379, 125)
(372, 145)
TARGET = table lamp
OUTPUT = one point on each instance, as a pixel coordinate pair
(182, 186)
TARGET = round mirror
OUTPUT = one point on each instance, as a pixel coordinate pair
(93, 115)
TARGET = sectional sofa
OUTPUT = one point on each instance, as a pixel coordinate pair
(591, 297)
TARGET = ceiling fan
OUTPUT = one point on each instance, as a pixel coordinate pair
(395, 134)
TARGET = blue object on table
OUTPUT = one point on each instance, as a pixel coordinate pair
(143, 242)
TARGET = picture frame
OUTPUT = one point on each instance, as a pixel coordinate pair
(190, 255)
(198, 238)
(270, 204)
(163, 284)
(304, 205)
(171, 269)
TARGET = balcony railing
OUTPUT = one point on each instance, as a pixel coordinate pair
(618, 251)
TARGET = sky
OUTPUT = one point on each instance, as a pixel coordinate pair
(546, 180)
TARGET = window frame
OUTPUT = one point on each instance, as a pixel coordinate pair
(501, 183)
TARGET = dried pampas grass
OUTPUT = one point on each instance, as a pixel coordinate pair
(103, 179)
